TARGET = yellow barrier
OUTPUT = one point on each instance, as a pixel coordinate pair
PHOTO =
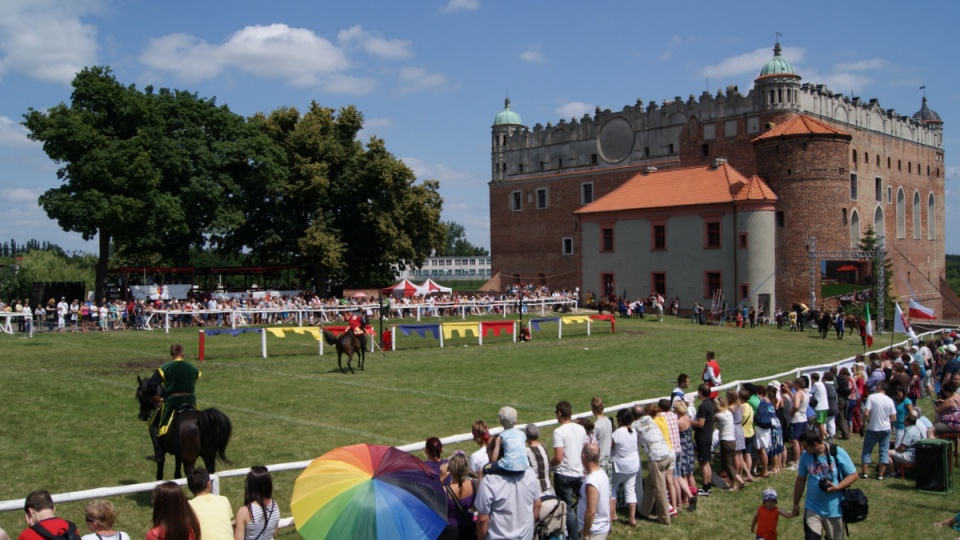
(461, 329)
(279, 332)
(579, 319)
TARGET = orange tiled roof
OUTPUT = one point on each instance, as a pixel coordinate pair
(802, 125)
(682, 187)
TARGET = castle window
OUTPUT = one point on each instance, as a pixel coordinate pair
(931, 219)
(744, 240)
(879, 225)
(659, 237)
(889, 194)
(568, 246)
(670, 147)
(771, 98)
(606, 239)
(853, 186)
(878, 187)
(878, 160)
(744, 291)
(711, 284)
(646, 151)
(504, 167)
(916, 215)
(889, 161)
(779, 218)
(520, 167)
(854, 158)
(712, 239)
(542, 198)
(586, 193)
(541, 165)
(705, 149)
(779, 95)
(560, 163)
(854, 229)
(899, 165)
(928, 170)
(593, 159)
(843, 216)
(516, 201)
(901, 214)
(658, 281)
(866, 157)
(909, 167)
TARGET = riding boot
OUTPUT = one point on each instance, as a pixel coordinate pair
(158, 453)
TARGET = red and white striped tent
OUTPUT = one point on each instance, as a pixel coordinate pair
(405, 288)
(431, 286)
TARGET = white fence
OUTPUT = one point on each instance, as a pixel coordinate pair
(17, 504)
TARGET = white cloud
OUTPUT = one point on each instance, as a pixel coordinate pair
(575, 109)
(416, 79)
(346, 84)
(532, 55)
(374, 127)
(46, 39)
(461, 5)
(448, 176)
(20, 195)
(750, 62)
(13, 135)
(390, 49)
(862, 65)
(276, 51)
(845, 82)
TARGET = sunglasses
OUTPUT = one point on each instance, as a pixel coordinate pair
(90, 519)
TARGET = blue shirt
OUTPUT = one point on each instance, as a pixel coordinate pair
(813, 468)
(513, 443)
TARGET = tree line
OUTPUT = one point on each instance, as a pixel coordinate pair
(153, 174)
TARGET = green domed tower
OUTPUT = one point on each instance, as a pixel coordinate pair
(505, 124)
(778, 84)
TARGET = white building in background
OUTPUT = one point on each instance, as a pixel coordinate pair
(450, 268)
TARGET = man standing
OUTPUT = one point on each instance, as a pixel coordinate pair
(568, 440)
(40, 513)
(62, 309)
(822, 516)
(603, 431)
(178, 380)
(593, 515)
(881, 414)
(818, 395)
(703, 437)
(213, 511)
(507, 505)
(711, 373)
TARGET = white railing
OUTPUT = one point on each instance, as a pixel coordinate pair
(17, 504)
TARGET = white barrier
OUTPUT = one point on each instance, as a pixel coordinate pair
(6, 320)
(17, 504)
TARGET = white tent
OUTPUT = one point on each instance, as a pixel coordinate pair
(405, 288)
(431, 286)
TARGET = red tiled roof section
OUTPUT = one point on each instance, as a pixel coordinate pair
(682, 187)
(802, 125)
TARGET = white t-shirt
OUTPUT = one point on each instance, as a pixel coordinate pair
(724, 424)
(508, 500)
(116, 536)
(819, 392)
(881, 407)
(602, 430)
(478, 459)
(571, 437)
(626, 454)
(601, 520)
(800, 414)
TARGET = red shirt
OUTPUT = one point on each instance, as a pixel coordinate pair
(767, 524)
(55, 525)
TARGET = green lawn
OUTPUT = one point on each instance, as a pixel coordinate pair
(69, 416)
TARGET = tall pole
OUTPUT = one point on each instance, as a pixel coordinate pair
(520, 306)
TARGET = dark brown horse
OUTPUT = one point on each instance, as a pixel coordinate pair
(347, 343)
(193, 434)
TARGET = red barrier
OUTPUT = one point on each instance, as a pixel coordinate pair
(496, 327)
(611, 318)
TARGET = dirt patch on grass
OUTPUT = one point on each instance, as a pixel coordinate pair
(631, 332)
(139, 366)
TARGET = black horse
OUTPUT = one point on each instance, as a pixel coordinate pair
(193, 434)
(347, 343)
(824, 322)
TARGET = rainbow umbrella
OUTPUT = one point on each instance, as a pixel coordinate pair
(368, 491)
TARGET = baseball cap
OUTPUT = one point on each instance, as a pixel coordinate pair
(952, 348)
(769, 494)
(508, 417)
(914, 348)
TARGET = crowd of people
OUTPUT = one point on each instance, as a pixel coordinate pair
(175, 517)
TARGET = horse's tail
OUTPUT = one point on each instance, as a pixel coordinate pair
(329, 337)
(216, 428)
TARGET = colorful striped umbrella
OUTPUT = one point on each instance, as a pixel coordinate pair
(368, 491)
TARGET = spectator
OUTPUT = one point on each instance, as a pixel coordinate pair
(703, 436)
(844, 386)
(880, 413)
(461, 488)
(100, 517)
(953, 522)
(798, 422)
(833, 404)
(433, 448)
(824, 478)
(257, 519)
(905, 451)
(728, 443)
(213, 511)
(948, 410)
(746, 425)
(820, 403)
(507, 505)
(711, 373)
(653, 411)
(40, 513)
(594, 514)
(661, 460)
(626, 464)
(538, 459)
(568, 441)
(768, 515)
(740, 438)
(172, 516)
(603, 431)
(481, 436)
(513, 450)
(679, 392)
(904, 408)
(763, 424)
(678, 494)
(687, 455)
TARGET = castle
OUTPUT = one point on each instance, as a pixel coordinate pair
(834, 166)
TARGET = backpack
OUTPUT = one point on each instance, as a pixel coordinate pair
(551, 523)
(70, 534)
(854, 504)
(765, 415)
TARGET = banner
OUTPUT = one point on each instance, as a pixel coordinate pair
(869, 328)
(918, 311)
(900, 324)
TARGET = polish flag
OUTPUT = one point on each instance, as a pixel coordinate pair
(920, 312)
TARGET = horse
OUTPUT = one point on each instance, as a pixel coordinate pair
(605, 305)
(193, 434)
(824, 322)
(347, 343)
(851, 323)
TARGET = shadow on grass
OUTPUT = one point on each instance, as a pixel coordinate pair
(141, 499)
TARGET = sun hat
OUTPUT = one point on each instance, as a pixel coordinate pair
(769, 494)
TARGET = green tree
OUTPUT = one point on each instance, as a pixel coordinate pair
(346, 210)
(869, 243)
(149, 174)
(457, 244)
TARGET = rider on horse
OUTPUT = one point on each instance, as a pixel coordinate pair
(173, 384)
(358, 325)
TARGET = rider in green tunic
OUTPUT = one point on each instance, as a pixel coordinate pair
(175, 382)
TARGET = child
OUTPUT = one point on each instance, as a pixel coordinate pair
(768, 514)
(793, 321)
(950, 522)
(513, 445)
(728, 443)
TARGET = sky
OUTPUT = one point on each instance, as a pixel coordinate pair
(430, 76)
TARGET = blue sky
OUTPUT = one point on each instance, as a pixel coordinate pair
(429, 76)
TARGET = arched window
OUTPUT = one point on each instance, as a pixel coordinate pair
(931, 219)
(901, 214)
(878, 227)
(854, 158)
(843, 216)
(916, 215)
(854, 229)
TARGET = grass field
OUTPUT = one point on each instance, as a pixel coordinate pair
(68, 419)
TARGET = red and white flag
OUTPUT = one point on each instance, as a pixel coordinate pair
(920, 312)
(901, 325)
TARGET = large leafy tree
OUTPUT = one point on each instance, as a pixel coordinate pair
(151, 174)
(456, 242)
(345, 209)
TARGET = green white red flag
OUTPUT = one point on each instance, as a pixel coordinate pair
(869, 328)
